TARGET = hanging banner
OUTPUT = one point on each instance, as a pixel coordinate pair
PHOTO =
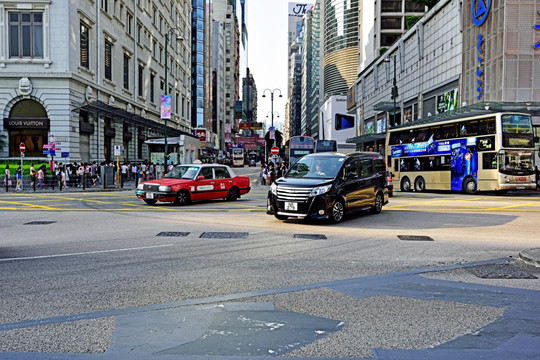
(272, 133)
(165, 106)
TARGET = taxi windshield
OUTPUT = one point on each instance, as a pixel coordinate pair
(183, 172)
(316, 167)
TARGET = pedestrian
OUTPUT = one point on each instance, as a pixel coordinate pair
(40, 177)
(33, 174)
(7, 179)
(18, 176)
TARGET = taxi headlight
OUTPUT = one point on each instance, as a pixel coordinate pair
(320, 190)
(140, 187)
(164, 188)
(273, 188)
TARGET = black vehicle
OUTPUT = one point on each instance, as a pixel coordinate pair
(329, 185)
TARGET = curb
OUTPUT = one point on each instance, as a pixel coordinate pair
(530, 256)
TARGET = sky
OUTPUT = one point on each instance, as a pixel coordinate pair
(267, 54)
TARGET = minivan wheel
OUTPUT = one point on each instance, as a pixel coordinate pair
(406, 185)
(377, 207)
(338, 211)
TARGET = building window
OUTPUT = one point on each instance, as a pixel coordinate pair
(391, 23)
(105, 5)
(391, 6)
(26, 35)
(129, 24)
(84, 46)
(139, 33)
(108, 60)
(152, 87)
(141, 80)
(126, 71)
(389, 39)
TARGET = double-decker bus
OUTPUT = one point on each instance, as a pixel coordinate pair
(238, 157)
(300, 146)
(470, 153)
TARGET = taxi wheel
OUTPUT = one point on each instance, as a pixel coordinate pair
(150, 202)
(338, 211)
(182, 198)
(233, 194)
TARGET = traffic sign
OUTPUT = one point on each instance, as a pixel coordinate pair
(22, 147)
(274, 150)
(65, 154)
(46, 152)
(48, 146)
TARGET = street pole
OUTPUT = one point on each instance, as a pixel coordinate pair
(166, 91)
(395, 93)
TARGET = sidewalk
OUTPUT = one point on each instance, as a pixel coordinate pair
(27, 188)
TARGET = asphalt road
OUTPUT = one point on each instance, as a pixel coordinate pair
(101, 275)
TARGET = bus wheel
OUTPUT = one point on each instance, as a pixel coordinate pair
(420, 184)
(469, 186)
(406, 185)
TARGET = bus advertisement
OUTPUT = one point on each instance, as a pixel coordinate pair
(300, 146)
(493, 152)
(238, 157)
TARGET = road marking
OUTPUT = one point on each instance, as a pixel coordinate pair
(86, 253)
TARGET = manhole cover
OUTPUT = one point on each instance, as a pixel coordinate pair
(224, 235)
(172, 233)
(40, 222)
(500, 271)
(310, 236)
(414, 238)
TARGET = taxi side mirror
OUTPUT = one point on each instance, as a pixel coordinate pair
(200, 177)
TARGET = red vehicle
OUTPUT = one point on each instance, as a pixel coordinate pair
(186, 183)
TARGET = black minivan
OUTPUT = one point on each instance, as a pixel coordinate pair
(329, 185)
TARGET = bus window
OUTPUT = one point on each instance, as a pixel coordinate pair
(469, 128)
(422, 135)
(486, 126)
(489, 161)
(448, 131)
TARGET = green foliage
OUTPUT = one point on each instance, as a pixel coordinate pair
(382, 51)
(411, 20)
(13, 165)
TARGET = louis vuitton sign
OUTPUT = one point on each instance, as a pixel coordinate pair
(26, 123)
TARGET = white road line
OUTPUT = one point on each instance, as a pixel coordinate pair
(85, 253)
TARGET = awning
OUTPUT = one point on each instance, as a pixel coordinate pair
(161, 141)
(362, 139)
(98, 107)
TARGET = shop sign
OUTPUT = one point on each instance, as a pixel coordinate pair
(29, 123)
(480, 11)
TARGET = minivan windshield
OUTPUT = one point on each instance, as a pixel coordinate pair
(324, 167)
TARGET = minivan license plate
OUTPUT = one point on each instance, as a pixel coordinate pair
(291, 206)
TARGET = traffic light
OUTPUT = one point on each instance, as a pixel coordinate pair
(394, 93)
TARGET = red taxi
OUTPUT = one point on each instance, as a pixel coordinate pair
(186, 183)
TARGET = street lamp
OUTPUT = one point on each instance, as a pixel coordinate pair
(272, 101)
(178, 38)
(394, 92)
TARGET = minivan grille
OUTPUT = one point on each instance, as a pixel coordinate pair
(286, 193)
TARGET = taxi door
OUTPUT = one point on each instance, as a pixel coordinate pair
(223, 182)
(204, 188)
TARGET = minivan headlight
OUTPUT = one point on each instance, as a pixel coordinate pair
(320, 190)
(164, 188)
(273, 188)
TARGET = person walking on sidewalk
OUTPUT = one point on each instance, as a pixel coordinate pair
(18, 176)
(40, 177)
(7, 179)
